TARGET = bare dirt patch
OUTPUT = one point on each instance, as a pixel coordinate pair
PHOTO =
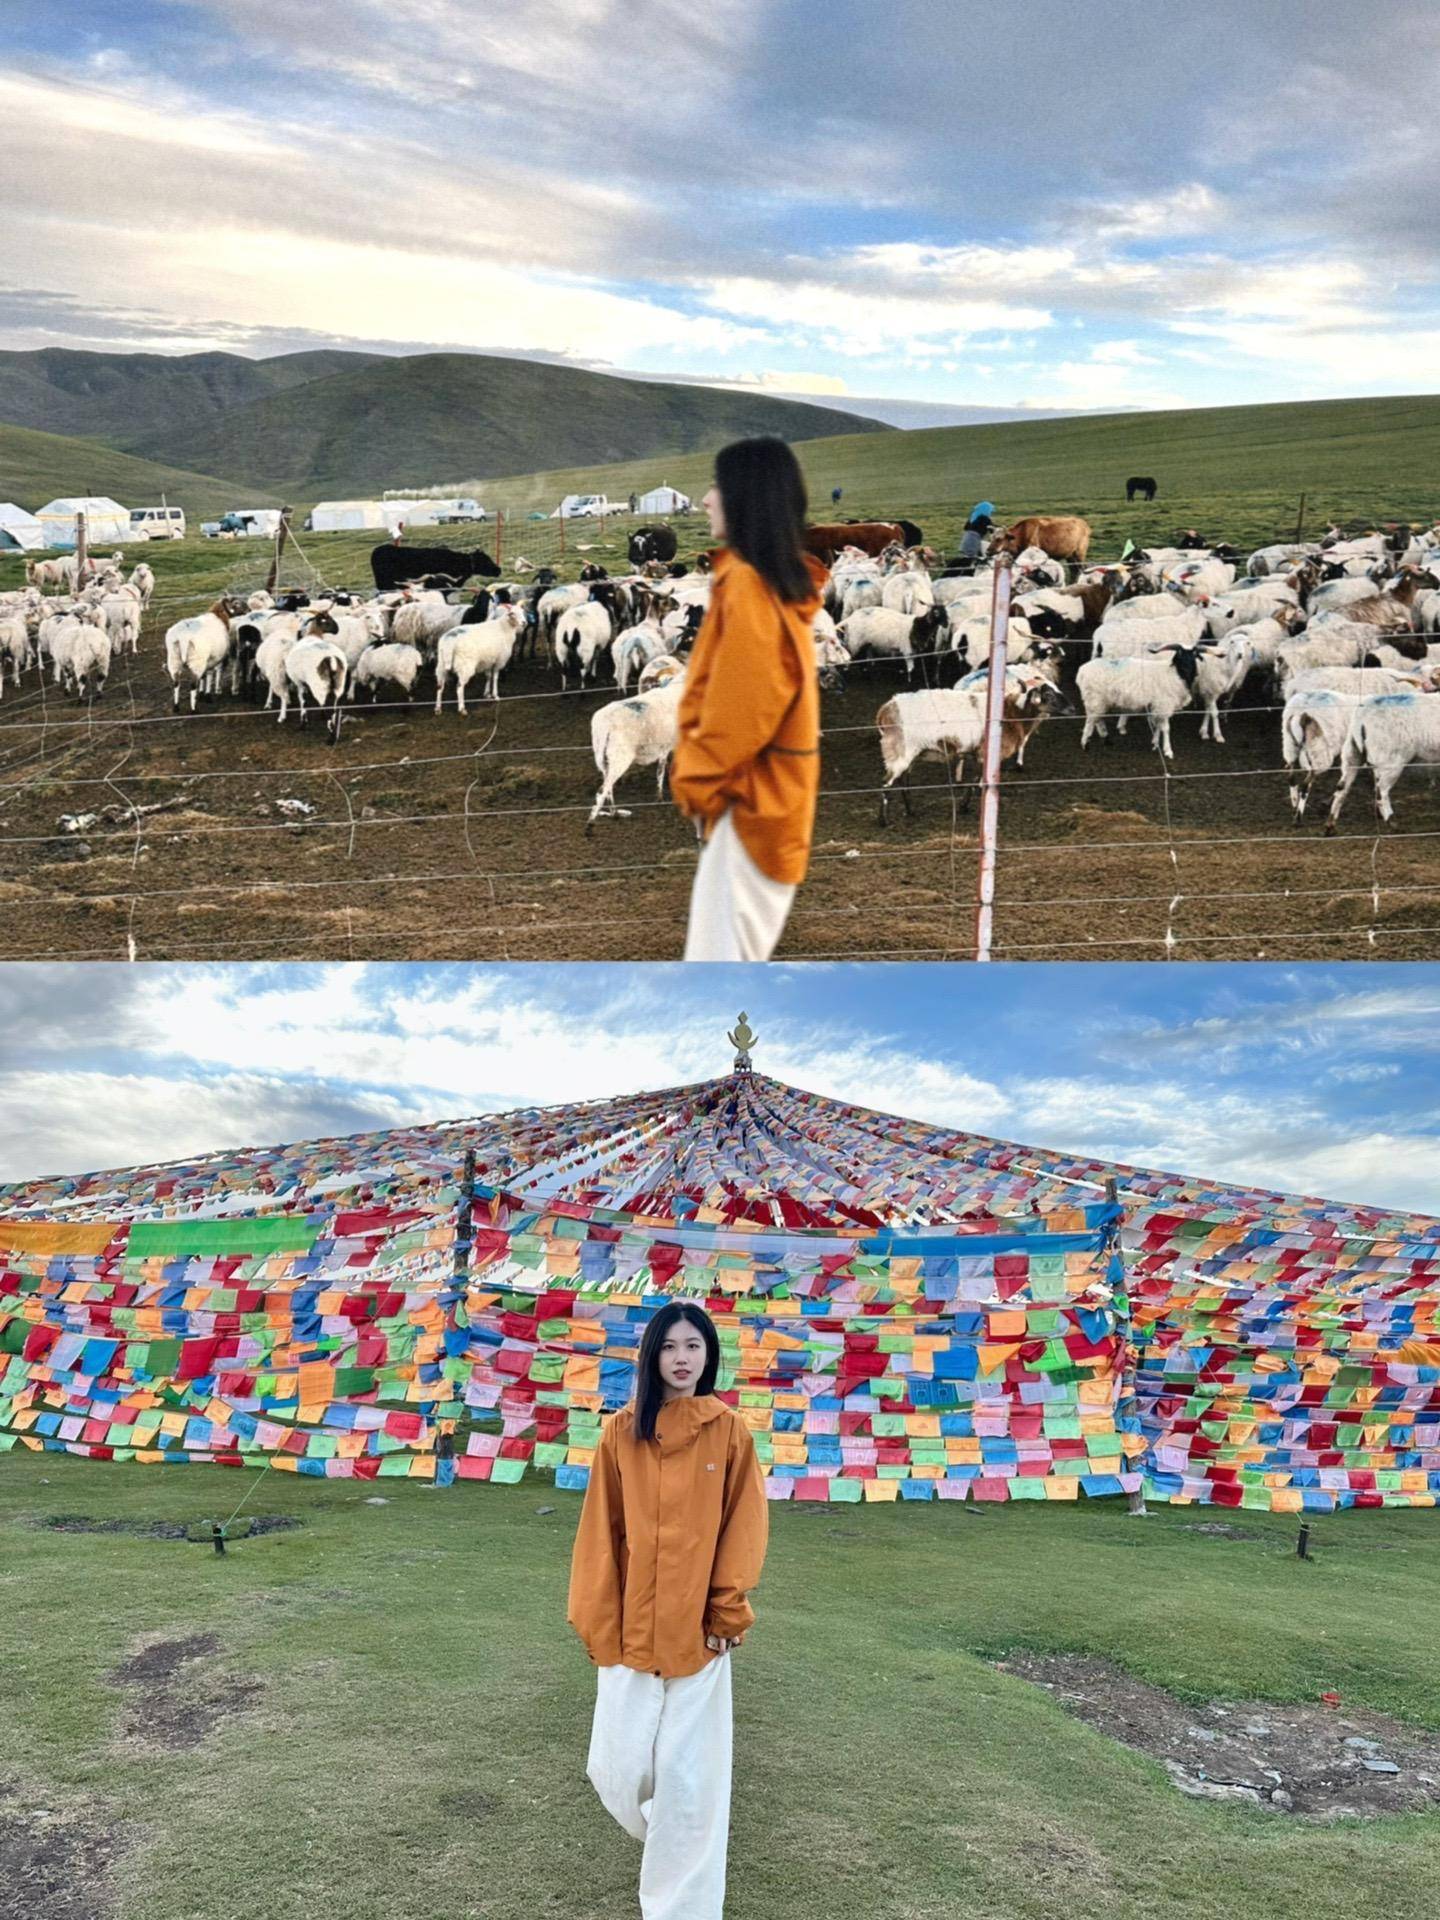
(177, 1695)
(1315, 1762)
(55, 1864)
(257, 1523)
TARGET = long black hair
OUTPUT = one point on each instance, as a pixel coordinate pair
(763, 493)
(649, 1387)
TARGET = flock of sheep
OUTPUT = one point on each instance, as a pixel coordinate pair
(77, 631)
(1335, 633)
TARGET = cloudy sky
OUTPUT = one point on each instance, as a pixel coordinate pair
(1316, 1080)
(1116, 202)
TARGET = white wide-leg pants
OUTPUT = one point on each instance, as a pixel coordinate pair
(660, 1762)
(736, 911)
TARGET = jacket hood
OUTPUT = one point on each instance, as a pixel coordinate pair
(678, 1421)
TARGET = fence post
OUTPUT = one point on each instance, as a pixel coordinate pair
(562, 533)
(1300, 520)
(990, 777)
(281, 534)
(81, 551)
(499, 535)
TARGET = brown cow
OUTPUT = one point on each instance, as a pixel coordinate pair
(1065, 537)
(871, 536)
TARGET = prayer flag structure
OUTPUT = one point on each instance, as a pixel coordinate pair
(906, 1311)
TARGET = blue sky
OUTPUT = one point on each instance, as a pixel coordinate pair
(1133, 202)
(1315, 1079)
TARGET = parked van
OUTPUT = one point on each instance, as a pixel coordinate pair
(157, 523)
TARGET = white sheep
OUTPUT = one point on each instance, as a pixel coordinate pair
(1387, 655)
(122, 613)
(80, 650)
(1221, 669)
(948, 723)
(1158, 685)
(1387, 733)
(895, 636)
(638, 732)
(1260, 601)
(315, 666)
(14, 646)
(1331, 595)
(391, 663)
(969, 639)
(196, 649)
(636, 647)
(419, 622)
(550, 606)
(1316, 717)
(1145, 606)
(484, 648)
(907, 592)
(582, 634)
(279, 633)
(1122, 639)
(1341, 644)
(1266, 637)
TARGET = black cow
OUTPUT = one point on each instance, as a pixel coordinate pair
(651, 543)
(392, 566)
(1141, 483)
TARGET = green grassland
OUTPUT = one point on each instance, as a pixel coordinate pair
(413, 1746)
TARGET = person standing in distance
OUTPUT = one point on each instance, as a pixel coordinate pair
(675, 1466)
(747, 761)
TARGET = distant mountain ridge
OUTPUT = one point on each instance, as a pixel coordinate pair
(333, 421)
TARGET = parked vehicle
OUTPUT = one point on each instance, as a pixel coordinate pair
(585, 506)
(244, 523)
(157, 523)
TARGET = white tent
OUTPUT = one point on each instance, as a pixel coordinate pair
(105, 519)
(337, 516)
(19, 529)
(663, 500)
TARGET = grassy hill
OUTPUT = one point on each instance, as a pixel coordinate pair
(36, 467)
(139, 401)
(1234, 472)
(313, 424)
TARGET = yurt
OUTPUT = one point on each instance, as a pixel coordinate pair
(105, 520)
(663, 500)
(343, 516)
(906, 1312)
(20, 532)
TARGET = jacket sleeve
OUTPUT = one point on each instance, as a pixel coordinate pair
(747, 691)
(740, 1548)
(595, 1594)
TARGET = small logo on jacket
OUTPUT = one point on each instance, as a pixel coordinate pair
(709, 1466)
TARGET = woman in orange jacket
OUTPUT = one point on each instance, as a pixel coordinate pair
(747, 761)
(671, 1539)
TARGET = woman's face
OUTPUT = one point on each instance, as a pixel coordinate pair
(715, 512)
(682, 1355)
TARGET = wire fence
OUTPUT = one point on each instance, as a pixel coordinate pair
(152, 791)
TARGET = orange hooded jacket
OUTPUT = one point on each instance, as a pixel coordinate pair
(749, 721)
(672, 1536)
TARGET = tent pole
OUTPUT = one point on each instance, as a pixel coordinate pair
(990, 777)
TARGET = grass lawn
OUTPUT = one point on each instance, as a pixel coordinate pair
(409, 1711)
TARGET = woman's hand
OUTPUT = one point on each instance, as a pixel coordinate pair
(719, 1643)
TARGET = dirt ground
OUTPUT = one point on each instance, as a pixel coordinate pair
(176, 1696)
(417, 837)
(1314, 1762)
